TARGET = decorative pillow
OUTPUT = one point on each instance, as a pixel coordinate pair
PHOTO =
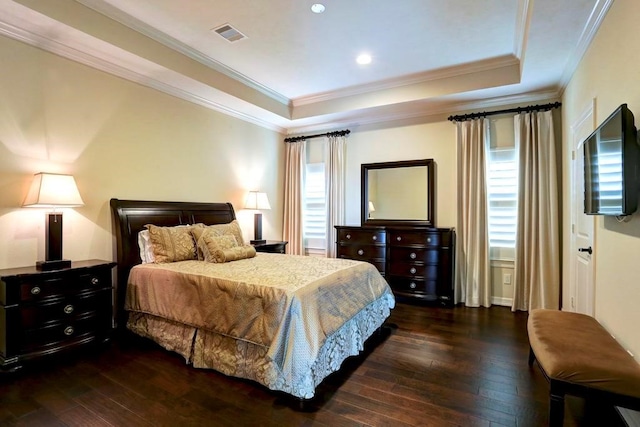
(232, 228)
(171, 244)
(222, 248)
(146, 248)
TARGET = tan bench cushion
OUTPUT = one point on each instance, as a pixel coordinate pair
(575, 348)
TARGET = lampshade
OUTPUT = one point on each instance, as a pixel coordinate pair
(50, 190)
(371, 208)
(257, 201)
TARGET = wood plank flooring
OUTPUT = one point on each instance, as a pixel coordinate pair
(430, 367)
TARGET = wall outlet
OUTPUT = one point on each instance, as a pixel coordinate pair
(506, 279)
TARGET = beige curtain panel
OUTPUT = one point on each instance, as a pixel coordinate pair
(472, 283)
(295, 154)
(335, 185)
(537, 259)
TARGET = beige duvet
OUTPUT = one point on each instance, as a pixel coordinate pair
(284, 307)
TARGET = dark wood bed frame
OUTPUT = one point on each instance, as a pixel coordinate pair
(130, 217)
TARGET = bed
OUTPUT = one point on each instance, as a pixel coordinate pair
(284, 321)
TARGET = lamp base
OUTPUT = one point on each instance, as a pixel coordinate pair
(257, 242)
(58, 264)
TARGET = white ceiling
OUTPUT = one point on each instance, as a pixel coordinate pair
(296, 70)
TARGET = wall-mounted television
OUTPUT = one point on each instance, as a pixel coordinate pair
(611, 170)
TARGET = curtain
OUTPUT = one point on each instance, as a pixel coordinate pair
(472, 283)
(537, 259)
(295, 154)
(335, 189)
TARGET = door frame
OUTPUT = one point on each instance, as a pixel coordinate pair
(589, 112)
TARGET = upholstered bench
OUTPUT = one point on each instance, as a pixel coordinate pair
(579, 357)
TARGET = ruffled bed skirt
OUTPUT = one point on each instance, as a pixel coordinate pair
(243, 359)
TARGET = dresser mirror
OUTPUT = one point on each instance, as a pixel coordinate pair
(400, 193)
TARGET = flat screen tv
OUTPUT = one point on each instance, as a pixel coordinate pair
(611, 170)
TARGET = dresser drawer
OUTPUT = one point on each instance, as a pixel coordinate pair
(60, 334)
(64, 284)
(425, 289)
(410, 270)
(408, 238)
(362, 236)
(424, 255)
(65, 309)
(362, 252)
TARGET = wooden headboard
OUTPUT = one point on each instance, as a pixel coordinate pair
(130, 217)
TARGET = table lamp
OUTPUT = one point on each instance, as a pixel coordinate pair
(49, 190)
(257, 201)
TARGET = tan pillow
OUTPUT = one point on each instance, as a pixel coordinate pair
(171, 244)
(232, 228)
(222, 248)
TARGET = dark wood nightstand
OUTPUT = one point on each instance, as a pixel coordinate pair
(272, 246)
(47, 312)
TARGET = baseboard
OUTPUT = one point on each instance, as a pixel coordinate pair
(507, 302)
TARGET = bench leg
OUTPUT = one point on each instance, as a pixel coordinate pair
(532, 357)
(556, 410)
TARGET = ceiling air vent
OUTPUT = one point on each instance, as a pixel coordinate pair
(229, 33)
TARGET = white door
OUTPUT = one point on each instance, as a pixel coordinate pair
(581, 282)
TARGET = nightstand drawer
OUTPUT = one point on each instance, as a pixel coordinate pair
(65, 332)
(65, 309)
(64, 284)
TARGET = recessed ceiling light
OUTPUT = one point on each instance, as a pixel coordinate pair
(317, 8)
(363, 59)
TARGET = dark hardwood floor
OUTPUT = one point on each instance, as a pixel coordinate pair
(431, 367)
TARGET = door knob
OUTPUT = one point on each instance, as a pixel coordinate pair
(587, 250)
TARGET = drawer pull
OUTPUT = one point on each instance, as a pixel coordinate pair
(428, 239)
(68, 309)
(360, 252)
(348, 236)
(68, 331)
(374, 237)
(35, 290)
(412, 255)
(95, 280)
(412, 270)
(412, 285)
(399, 238)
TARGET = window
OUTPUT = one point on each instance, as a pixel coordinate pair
(502, 194)
(314, 215)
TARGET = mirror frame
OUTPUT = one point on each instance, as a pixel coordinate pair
(429, 221)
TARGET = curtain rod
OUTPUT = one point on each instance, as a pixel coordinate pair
(518, 110)
(300, 138)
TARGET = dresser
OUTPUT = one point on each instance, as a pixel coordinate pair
(418, 262)
(48, 312)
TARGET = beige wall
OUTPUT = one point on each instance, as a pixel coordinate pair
(118, 139)
(610, 73)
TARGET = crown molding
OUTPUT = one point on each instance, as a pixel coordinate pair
(119, 16)
(598, 14)
(523, 21)
(389, 117)
(441, 73)
(100, 60)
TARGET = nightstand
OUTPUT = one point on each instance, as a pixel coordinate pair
(47, 312)
(272, 246)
